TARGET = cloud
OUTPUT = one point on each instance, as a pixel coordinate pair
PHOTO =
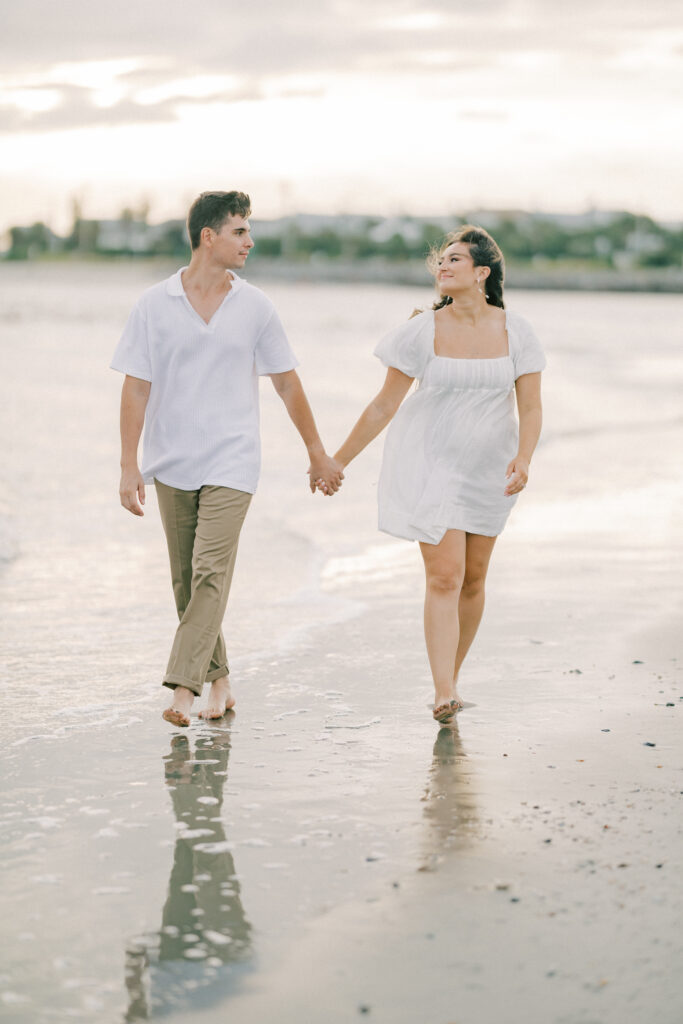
(267, 37)
(77, 108)
(265, 49)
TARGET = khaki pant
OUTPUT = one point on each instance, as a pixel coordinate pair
(202, 530)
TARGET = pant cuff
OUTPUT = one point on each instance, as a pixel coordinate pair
(217, 673)
(190, 684)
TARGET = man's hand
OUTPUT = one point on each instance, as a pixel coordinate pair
(325, 474)
(132, 486)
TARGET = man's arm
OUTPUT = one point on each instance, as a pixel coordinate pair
(134, 396)
(322, 467)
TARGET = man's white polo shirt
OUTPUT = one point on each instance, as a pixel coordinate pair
(202, 417)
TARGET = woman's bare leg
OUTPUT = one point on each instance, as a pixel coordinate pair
(471, 604)
(444, 572)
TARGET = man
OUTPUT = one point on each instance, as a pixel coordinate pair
(192, 351)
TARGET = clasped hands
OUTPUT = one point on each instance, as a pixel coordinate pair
(325, 474)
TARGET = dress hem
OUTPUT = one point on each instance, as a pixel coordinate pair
(408, 531)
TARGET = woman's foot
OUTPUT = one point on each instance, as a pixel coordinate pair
(443, 713)
(455, 695)
(445, 706)
(220, 699)
(179, 711)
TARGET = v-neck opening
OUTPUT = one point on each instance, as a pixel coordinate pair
(208, 324)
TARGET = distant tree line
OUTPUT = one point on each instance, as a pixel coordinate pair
(610, 240)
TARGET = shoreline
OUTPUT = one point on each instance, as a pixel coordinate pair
(664, 281)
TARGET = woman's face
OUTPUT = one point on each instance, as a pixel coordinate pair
(456, 271)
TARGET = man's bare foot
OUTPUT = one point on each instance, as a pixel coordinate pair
(220, 699)
(179, 711)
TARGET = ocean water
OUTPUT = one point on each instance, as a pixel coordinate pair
(86, 609)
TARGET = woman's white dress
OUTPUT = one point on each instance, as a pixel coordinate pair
(451, 441)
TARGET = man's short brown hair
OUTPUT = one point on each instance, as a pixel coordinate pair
(212, 209)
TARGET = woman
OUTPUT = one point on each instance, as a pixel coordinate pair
(455, 458)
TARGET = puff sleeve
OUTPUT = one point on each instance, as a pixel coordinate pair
(409, 346)
(525, 348)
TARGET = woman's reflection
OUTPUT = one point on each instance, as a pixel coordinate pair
(450, 802)
(203, 924)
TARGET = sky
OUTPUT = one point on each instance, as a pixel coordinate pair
(329, 106)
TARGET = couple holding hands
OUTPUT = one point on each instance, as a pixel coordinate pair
(456, 455)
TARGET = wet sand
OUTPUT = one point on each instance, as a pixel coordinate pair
(328, 853)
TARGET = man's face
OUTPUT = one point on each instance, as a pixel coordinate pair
(231, 245)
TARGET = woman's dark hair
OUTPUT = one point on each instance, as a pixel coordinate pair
(484, 251)
(212, 209)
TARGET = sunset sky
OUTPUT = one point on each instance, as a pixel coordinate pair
(416, 106)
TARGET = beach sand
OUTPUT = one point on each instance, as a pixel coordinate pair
(522, 866)
(327, 853)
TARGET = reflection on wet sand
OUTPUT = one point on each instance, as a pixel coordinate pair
(450, 798)
(203, 925)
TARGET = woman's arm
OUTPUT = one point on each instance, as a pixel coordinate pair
(528, 390)
(375, 417)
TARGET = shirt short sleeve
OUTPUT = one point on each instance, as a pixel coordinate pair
(273, 353)
(132, 352)
(409, 346)
(527, 354)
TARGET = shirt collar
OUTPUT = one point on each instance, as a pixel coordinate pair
(174, 284)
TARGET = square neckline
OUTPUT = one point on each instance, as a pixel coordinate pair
(471, 359)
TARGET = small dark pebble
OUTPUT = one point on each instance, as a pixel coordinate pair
(550, 974)
(370, 859)
(659, 865)
(514, 899)
(647, 744)
(670, 704)
(637, 661)
(396, 885)
(547, 840)
(605, 730)
(622, 865)
(364, 1009)
(575, 672)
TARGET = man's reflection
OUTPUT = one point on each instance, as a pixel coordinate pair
(203, 925)
(450, 801)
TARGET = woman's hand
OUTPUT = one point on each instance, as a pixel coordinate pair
(517, 475)
(325, 474)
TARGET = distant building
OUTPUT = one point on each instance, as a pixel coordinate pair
(123, 235)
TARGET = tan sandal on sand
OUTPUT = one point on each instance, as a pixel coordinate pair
(444, 713)
(175, 717)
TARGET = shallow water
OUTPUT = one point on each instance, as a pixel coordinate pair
(154, 873)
